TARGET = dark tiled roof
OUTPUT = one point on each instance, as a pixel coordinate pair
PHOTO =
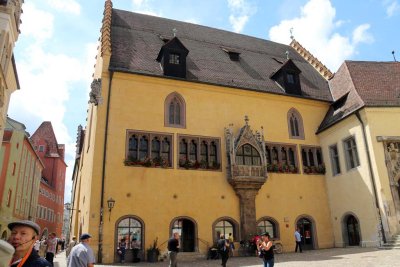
(359, 84)
(137, 39)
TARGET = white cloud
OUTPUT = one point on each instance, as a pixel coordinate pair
(36, 23)
(68, 6)
(316, 29)
(47, 79)
(144, 7)
(392, 8)
(241, 11)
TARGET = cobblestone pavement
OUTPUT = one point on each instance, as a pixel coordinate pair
(343, 257)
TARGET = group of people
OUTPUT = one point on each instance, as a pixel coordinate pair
(22, 250)
(123, 246)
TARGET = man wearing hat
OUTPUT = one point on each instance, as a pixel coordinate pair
(82, 254)
(23, 236)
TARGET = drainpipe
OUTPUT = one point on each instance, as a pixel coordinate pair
(100, 252)
(372, 176)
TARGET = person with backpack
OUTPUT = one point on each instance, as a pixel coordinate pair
(223, 249)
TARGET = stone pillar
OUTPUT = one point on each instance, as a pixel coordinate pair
(248, 225)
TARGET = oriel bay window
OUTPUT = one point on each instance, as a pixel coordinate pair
(281, 158)
(312, 160)
(148, 149)
(199, 152)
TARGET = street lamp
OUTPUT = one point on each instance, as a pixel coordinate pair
(110, 204)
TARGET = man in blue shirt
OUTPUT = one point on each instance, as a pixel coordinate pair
(82, 254)
(297, 237)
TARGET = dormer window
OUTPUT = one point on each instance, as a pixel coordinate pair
(174, 58)
(288, 77)
(233, 53)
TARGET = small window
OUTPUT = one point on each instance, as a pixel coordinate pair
(351, 154)
(175, 110)
(290, 78)
(174, 59)
(333, 151)
(41, 148)
(295, 124)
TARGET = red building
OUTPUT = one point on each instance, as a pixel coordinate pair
(51, 192)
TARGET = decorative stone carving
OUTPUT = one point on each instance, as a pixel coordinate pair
(246, 179)
(95, 94)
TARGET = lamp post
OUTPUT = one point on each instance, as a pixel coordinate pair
(110, 204)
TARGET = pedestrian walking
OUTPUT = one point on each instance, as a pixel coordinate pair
(23, 236)
(51, 249)
(223, 249)
(173, 249)
(82, 254)
(70, 246)
(231, 245)
(266, 250)
(297, 238)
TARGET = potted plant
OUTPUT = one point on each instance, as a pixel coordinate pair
(153, 252)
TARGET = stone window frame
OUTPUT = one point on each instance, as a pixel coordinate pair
(198, 141)
(254, 155)
(147, 162)
(294, 113)
(175, 96)
(235, 227)
(353, 150)
(280, 159)
(275, 225)
(335, 159)
(309, 159)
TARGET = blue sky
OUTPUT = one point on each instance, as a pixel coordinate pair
(55, 52)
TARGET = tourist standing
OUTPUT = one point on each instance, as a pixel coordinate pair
(23, 236)
(51, 249)
(173, 249)
(223, 249)
(265, 249)
(297, 238)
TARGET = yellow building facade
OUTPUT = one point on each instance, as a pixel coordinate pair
(205, 138)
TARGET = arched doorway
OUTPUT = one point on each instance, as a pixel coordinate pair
(353, 230)
(187, 230)
(306, 231)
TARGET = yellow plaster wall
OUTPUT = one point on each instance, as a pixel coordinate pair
(137, 103)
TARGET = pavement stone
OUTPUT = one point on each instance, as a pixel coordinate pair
(343, 257)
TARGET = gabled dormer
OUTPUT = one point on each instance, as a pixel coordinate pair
(288, 77)
(172, 58)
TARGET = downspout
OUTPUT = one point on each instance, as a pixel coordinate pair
(100, 252)
(372, 176)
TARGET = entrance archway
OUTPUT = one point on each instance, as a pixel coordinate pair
(307, 233)
(352, 230)
(187, 230)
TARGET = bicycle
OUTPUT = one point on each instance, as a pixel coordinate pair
(277, 247)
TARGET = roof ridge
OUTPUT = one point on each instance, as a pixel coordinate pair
(310, 58)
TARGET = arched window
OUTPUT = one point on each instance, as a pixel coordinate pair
(268, 225)
(166, 149)
(175, 111)
(248, 155)
(295, 124)
(133, 148)
(193, 151)
(213, 153)
(155, 148)
(225, 226)
(143, 148)
(204, 152)
(130, 228)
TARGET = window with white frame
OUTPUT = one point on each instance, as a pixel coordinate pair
(351, 153)
(333, 152)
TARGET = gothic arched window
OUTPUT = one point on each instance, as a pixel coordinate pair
(295, 124)
(175, 111)
(248, 155)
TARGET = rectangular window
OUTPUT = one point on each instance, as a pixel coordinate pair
(290, 78)
(312, 160)
(148, 149)
(174, 59)
(351, 154)
(41, 148)
(333, 151)
(199, 152)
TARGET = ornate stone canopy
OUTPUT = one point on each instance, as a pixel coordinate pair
(246, 176)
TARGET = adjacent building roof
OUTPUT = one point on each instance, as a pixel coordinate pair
(137, 39)
(359, 84)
